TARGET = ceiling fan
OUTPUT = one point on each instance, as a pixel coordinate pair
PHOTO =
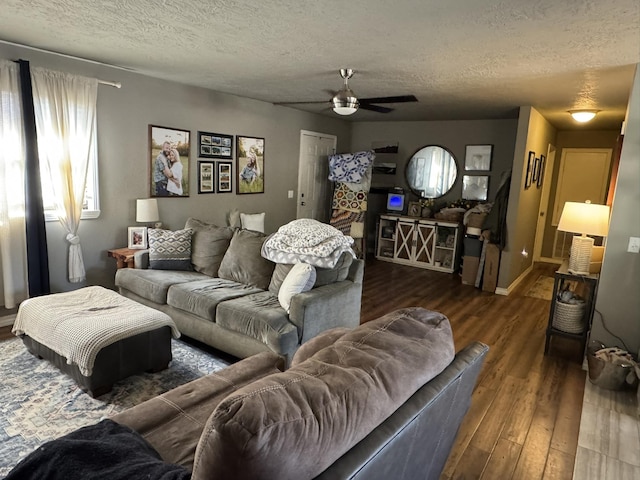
(345, 102)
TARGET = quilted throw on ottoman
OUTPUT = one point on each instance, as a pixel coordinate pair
(78, 324)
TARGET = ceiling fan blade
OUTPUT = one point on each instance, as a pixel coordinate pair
(398, 99)
(375, 108)
(300, 103)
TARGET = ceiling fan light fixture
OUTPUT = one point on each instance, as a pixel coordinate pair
(345, 102)
(583, 116)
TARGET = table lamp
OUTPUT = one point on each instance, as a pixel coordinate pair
(147, 211)
(587, 219)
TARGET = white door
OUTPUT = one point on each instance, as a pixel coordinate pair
(583, 175)
(313, 175)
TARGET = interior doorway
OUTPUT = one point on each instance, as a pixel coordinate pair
(583, 174)
(313, 175)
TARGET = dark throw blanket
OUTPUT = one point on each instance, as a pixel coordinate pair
(106, 450)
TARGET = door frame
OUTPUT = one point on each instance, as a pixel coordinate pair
(543, 209)
(300, 155)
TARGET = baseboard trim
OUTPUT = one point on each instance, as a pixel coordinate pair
(7, 321)
(516, 282)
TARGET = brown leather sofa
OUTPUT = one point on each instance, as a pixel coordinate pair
(383, 400)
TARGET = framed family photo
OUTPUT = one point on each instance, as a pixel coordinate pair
(169, 150)
(250, 164)
(137, 237)
(475, 187)
(206, 177)
(215, 145)
(225, 180)
(531, 162)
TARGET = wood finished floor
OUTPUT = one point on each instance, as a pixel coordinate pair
(525, 414)
(524, 418)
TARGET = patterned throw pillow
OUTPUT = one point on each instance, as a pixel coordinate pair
(170, 250)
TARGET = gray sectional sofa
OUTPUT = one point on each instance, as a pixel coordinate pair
(229, 298)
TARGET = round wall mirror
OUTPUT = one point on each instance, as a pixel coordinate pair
(431, 171)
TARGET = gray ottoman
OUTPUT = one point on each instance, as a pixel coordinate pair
(96, 336)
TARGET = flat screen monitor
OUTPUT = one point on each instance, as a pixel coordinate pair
(395, 202)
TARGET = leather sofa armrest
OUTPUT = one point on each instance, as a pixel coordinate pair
(141, 259)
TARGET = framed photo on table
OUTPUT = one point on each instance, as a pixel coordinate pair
(249, 164)
(225, 179)
(478, 157)
(206, 177)
(169, 150)
(137, 238)
(215, 145)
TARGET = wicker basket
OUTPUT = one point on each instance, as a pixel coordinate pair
(569, 317)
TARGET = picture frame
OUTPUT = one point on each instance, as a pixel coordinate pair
(414, 209)
(164, 144)
(535, 171)
(475, 187)
(478, 157)
(249, 165)
(215, 145)
(529, 174)
(137, 238)
(542, 164)
(206, 177)
(225, 177)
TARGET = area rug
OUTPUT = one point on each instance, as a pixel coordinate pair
(542, 288)
(39, 403)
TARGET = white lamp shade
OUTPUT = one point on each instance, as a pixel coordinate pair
(585, 218)
(147, 210)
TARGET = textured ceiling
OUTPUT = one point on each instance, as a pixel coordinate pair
(463, 59)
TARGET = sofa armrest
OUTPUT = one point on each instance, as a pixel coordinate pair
(141, 259)
(326, 307)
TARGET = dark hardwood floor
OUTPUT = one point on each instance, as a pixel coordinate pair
(525, 413)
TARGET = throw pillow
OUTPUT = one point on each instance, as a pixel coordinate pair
(243, 263)
(170, 250)
(208, 245)
(299, 279)
(324, 276)
(253, 221)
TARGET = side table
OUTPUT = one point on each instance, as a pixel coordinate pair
(584, 285)
(123, 256)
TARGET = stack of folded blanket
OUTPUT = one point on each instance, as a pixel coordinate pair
(307, 241)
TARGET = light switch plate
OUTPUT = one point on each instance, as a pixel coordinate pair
(634, 245)
(290, 194)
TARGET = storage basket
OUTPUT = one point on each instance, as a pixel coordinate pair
(569, 317)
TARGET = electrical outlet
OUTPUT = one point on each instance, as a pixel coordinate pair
(634, 245)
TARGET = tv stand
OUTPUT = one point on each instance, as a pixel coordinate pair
(419, 242)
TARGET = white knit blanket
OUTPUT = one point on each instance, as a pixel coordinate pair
(307, 241)
(78, 324)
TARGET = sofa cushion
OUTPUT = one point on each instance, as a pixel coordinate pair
(172, 422)
(153, 284)
(299, 279)
(170, 250)
(324, 276)
(317, 343)
(243, 262)
(252, 221)
(202, 297)
(295, 424)
(259, 316)
(208, 245)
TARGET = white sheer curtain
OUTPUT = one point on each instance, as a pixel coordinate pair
(13, 248)
(65, 109)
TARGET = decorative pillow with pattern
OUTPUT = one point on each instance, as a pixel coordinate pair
(170, 250)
